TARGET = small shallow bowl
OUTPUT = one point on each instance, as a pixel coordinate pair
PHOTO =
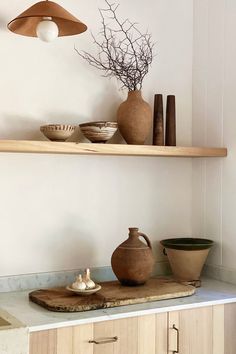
(57, 132)
(85, 292)
(99, 132)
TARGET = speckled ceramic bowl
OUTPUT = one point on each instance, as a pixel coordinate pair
(99, 132)
(57, 132)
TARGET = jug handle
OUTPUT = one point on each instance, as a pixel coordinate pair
(146, 239)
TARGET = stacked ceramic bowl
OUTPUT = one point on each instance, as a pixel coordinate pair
(57, 132)
(99, 132)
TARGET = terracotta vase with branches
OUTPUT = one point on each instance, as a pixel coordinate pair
(126, 54)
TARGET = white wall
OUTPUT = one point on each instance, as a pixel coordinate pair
(214, 124)
(65, 212)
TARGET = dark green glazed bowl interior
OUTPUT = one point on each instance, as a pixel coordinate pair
(188, 244)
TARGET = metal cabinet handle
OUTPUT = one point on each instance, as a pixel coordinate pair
(177, 330)
(104, 340)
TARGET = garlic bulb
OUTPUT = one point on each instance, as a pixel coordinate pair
(87, 280)
(79, 284)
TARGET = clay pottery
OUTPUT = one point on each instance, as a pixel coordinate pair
(134, 119)
(132, 262)
(99, 132)
(85, 292)
(57, 132)
(187, 257)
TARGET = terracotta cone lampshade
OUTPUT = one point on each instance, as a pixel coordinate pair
(26, 23)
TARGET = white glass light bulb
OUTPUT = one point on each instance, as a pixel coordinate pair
(47, 30)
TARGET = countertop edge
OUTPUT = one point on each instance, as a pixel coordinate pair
(129, 314)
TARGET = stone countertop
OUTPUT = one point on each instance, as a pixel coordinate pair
(14, 336)
(36, 318)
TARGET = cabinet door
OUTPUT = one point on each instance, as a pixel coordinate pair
(161, 333)
(230, 325)
(196, 331)
(43, 342)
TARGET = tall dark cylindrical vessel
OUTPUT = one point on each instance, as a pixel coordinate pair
(170, 139)
(158, 121)
(132, 262)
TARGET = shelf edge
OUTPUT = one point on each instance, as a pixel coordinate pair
(48, 147)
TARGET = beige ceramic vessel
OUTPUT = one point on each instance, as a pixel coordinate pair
(187, 265)
(57, 132)
(134, 118)
(187, 257)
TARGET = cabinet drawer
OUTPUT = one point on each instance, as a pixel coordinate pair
(136, 335)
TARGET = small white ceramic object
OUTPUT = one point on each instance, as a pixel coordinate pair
(85, 292)
(87, 280)
(57, 132)
(79, 284)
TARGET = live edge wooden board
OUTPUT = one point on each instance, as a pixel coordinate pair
(48, 147)
(112, 294)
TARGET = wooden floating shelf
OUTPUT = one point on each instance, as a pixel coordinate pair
(48, 147)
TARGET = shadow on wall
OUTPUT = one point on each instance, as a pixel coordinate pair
(3, 23)
(71, 246)
(28, 128)
(158, 251)
(106, 109)
(20, 127)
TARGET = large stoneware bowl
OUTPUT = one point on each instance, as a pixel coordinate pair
(99, 132)
(187, 257)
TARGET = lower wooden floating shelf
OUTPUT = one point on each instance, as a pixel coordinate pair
(48, 147)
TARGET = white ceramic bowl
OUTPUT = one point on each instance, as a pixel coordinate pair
(85, 292)
(57, 132)
(99, 132)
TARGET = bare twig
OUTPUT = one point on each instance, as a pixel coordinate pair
(123, 52)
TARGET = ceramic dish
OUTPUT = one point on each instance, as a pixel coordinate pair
(99, 132)
(57, 132)
(85, 292)
(187, 243)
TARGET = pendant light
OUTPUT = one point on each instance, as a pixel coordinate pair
(47, 21)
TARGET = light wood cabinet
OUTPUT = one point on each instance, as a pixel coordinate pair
(230, 325)
(135, 335)
(194, 331)
(197, 331)
(43, 342)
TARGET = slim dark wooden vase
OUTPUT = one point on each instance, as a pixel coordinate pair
(158, 121)
(170, 121)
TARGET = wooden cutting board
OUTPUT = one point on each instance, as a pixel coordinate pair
(112, 294)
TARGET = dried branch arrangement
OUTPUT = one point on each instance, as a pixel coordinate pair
(123, 52)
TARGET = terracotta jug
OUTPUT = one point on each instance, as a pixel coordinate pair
(134, 119)
(132, 262)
